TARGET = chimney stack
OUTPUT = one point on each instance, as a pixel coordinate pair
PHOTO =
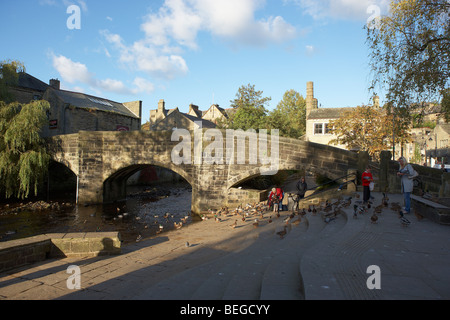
(311, 102)
(55, 84)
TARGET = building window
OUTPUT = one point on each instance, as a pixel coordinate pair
(318, 128)
(327, 129)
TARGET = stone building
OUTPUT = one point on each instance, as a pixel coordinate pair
(318, 119)
(71, 112)
(162, 119)
(215, 114)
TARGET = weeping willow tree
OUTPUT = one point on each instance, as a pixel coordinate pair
(23, 155)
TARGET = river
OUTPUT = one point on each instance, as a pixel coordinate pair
(146, 212)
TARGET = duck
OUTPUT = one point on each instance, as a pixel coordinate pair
(256, 223)
(385, 200)
(233, 226)
(178, 225)
(355, 213)
(374, 218)
(282, 233)
(378, 209)
(405, 222)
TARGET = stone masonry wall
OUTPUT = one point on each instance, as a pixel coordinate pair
(107, 159)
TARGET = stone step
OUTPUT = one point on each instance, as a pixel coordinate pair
(319, 282)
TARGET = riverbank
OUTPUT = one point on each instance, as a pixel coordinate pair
(130, 217)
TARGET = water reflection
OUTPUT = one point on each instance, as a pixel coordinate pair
(146, 212)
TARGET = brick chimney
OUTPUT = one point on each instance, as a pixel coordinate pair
(55, 84)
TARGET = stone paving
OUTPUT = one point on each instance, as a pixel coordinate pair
(315, 260)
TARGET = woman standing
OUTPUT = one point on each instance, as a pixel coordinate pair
(367, 178)
(407, 173)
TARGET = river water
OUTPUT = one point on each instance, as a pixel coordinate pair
(146, 212)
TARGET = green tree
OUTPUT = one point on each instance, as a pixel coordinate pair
(249, 109)
(410, 52)
(9, 76)
(289, 116)
(23, 155)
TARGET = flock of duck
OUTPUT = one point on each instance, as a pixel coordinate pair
(260, 213)
(328, 210)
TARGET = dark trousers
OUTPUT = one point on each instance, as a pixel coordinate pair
(366, 193)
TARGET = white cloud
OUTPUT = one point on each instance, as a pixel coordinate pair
(78, 73)
(310, 50)
(176, 26)
(340, 9)
(70, 71)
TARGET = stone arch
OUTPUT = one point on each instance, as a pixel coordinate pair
(62, 176)
(246, 175)
(114, 187)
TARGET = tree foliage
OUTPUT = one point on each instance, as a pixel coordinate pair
(9, 76)
(289, 116)
(249, 109)
(410, 51)
(250, 112)
(370, 129)
(23, 154)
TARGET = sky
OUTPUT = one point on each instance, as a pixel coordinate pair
(194, 51)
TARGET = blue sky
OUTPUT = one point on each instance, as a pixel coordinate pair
(194, 51)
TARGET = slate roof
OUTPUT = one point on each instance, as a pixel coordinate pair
(28, 81)
(328, 113)
(82, 100)
(205, 123)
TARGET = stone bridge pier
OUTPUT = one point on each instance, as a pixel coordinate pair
(211, 161)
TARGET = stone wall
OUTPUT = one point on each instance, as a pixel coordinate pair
(17, 253)
(238, 196)
(432, 180)
(107, 159)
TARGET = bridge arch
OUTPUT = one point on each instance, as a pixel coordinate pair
(61, 179)
(115, 186)
(254, 173)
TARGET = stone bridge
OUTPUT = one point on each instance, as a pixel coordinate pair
(207, 159)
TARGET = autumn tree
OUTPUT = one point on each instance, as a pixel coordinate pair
(410, 52)
(368, 128)
(289, 116)
(23, 155)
